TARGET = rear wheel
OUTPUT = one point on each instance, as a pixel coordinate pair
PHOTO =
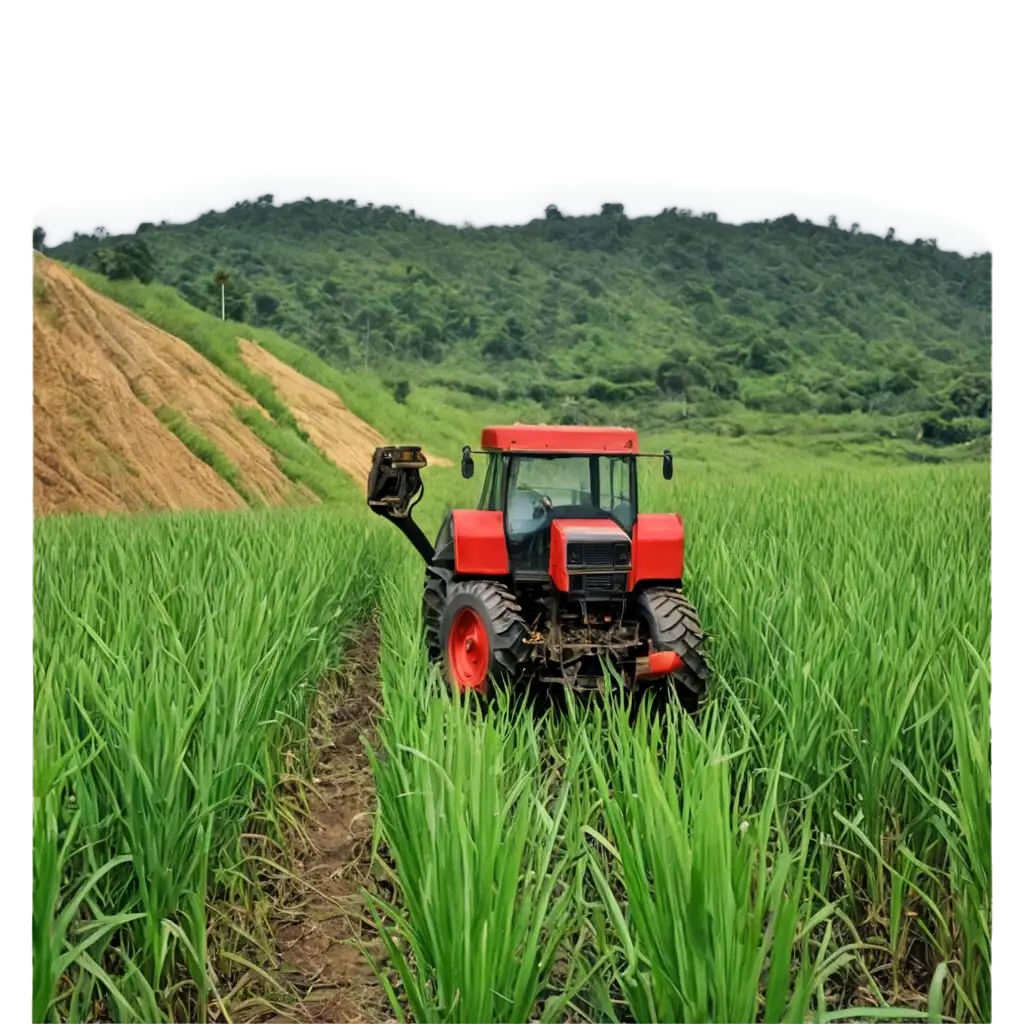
(481, 637)
(675, 626)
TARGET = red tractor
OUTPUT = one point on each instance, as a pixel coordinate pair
(556, 573)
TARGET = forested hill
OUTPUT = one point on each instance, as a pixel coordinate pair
(675, 318)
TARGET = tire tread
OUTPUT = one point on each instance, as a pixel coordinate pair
(675, 626)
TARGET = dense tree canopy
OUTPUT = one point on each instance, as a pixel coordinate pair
(601, 317)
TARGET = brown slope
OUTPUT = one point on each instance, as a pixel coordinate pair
(341, 435)
(99, 371)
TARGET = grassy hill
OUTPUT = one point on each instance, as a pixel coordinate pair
(670, 322)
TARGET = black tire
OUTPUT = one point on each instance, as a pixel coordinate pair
(435, 592)
(675, 626)
(502, 618)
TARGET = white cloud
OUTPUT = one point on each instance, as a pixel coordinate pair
(484, 199)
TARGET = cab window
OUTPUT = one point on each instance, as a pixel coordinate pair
(490, 494)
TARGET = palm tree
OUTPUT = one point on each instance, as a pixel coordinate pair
(222, 277)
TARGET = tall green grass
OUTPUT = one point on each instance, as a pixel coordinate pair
(818, 845)
(175, 659)
(851, 623)
(482, 841)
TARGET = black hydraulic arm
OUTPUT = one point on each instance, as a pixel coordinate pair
(394, 487)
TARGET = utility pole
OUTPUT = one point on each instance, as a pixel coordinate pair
(221, 278)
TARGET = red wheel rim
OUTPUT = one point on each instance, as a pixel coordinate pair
(469, 651)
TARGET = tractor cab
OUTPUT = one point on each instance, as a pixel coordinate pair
(567, 498)
(536, 490)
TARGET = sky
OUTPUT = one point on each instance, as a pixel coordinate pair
(489, 198)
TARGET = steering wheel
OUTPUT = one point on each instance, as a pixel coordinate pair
(545, 504)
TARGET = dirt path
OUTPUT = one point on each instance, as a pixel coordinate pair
(319, 922)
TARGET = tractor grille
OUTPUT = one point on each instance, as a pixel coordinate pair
(587, 559)
(597, 584)
(599, 555)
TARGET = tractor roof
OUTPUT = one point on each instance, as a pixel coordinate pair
(568, 440)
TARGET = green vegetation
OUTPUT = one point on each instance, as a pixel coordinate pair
(817, 846)
(298, 459)
(819, 840)
(668, 322)
(175, 657)
(203, 448)
(444, 420)
(124, 261)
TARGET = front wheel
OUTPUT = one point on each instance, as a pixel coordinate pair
(481, 636)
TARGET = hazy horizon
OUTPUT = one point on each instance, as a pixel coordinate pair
(517, 208)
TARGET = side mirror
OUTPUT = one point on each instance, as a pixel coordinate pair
(467, 463)
(666, 464)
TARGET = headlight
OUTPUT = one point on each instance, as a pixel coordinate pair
(575, 555)
(622, 554)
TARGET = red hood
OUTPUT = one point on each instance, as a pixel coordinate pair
(586, 530)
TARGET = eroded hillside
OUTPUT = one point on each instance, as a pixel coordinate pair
(104, 384)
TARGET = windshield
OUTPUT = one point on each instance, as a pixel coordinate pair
(542, 487)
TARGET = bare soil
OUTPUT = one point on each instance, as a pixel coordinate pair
(341, 435)
(99, 372)
(319, 920)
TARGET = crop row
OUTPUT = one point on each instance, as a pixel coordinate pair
(818, 840)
